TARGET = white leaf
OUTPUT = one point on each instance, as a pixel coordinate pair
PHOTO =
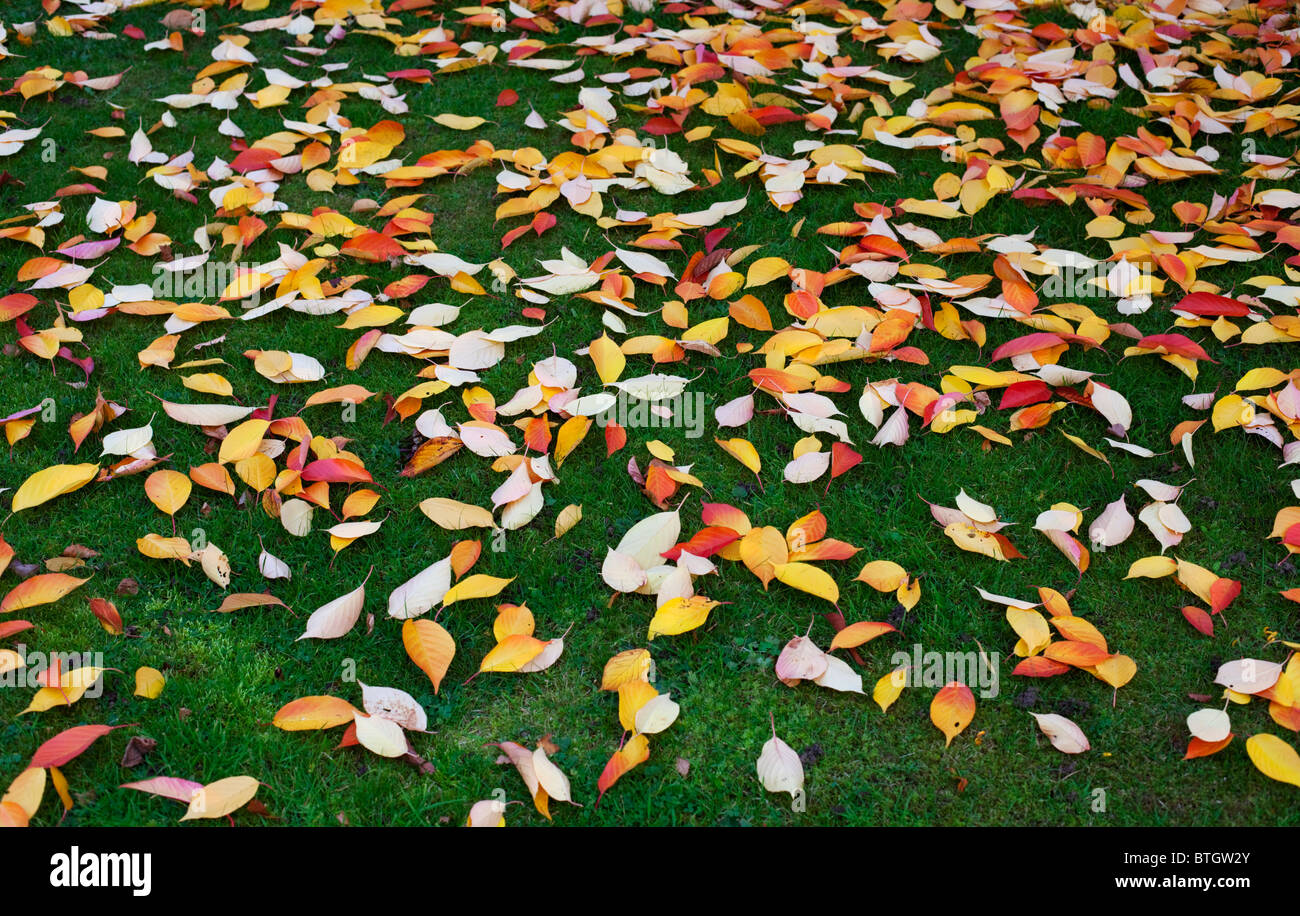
(336, 618)
(649, 538)
(422, 591)
(974, 510)
(380, 736)
(895, 430)
(295, 516)
(656, 715)
(1112, 405)
(779, 767)
(1209, 724)
(807, 467)
(550, 778)
(622, 572)
(1113, 526)
(272, 567)
(127, 441)
(524, 509)
(736, 412)
(839, 675)
(1248, 675)
(1065, 736)
(205, 414)
(640, 262)
(655, 387)
(395, 705)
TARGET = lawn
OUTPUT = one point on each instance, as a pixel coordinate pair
(227, 674)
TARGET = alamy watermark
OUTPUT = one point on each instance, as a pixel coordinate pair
(682, 411)
(41, 669)
(921, 668)
(1079, 278)
(209, 280)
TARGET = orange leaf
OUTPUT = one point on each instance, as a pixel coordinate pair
(856, 634)
(42, 589)
(1198, 748)
(635, 752)
(1078, 654)
(952, 710)
(430, 647)
(312, 713)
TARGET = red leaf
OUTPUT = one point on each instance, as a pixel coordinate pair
(1027, 344)
(510, 237)
(705, 543)
(336, 470)
(1174, 343)
(843, 459)
(1222, 593)
(1022, 394)
(1210, 305)
(10, 627)
(507, 98)
(615, 438)
(543, 221)
(1199, 619)
(372, 246)
(68, 744)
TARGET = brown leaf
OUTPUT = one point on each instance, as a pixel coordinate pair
(137, 749)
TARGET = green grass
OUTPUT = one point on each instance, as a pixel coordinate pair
(228, 674)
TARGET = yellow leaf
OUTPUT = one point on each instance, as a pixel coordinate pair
(810, 579)
(572, 432)
(43, 589)
(1152, 568)
(883, 575)
(475, 586)
(257, 470)
(209, 383)
(569, 516)
(631, 697)
(512, 653)
(160, 548)
(26, 790)
(61, 786)
(742, 451)
(762, 550)
(710, 332)
(1032, 629)
(974, 540)
(889, 688)
(632, 665)
(454, 515)
(51, 482)
(608, 358)
(311, 713)
(1274, 758)
(765, 270)
(952, 710)
(148, 682)
(680, 615)
(221, 798)
(242, 441)
(459, 122)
